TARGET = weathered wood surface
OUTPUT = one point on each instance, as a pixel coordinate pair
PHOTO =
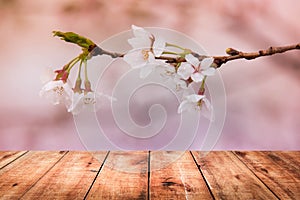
(229, 178)
(122, 178)
(21, 175)
(70, 178)
(280, 171)
(177, 180)
(149, 175)
(9, 156)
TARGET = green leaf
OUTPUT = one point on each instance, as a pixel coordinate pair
(74, 38)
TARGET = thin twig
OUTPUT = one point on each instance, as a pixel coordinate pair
(218, 60)
(234, 54)
(95, 51)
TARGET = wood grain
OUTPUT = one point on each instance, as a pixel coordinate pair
(123, 176)
(68, 179)
(280, 171)
(19, 176)
(7, 157)
(177, 179)
(144, 175)
(229, 178)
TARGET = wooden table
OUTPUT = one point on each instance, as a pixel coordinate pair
(101, 175)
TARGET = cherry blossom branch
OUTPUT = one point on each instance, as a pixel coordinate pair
(233, 54)
(189, 67)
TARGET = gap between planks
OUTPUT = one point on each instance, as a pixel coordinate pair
(8, 157)
(229, 178)
(24, 172)
(278, 170)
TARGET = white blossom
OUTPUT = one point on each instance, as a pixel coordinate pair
(170, 74)
(145, 48)
(89, 101)
(185, 71)
(139, 32)
(195, 69)
(191, 102)
(57, 92)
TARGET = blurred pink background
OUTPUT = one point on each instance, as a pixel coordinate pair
(263, 110)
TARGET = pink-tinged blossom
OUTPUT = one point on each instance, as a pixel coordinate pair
(57, 92)
(145, 48)
(196, 69)
(89, 101)
(196, 102)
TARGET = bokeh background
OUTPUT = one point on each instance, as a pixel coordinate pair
(263, 110)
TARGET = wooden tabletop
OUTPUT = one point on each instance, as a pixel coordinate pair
(149, 175)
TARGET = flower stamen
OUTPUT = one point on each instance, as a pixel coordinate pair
(89, 101)
(145, 54)
(59, 90)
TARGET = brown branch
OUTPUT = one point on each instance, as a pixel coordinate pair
(218, 60)
(96, 51)
(234, 54)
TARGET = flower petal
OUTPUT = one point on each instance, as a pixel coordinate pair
(194, 98)
(140, 42)
(139, 31)
(180, 84)
(90, 101)
(184, 105)
(57, 92)
(52, 84)
(158, 46)
(68, 89)
(151, 58)
(185, 70)
(207, 110)
(209, 72)
(192, 60)
(169, 69)
(197, 77)
(206, 63)
(135, 58)
(77, 104)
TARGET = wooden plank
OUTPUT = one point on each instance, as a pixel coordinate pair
(178, 179)
(123, 176)
(290, 157)
(280, 171)
(7, 157)
(68, 179)
(229, 178)
(19, 176)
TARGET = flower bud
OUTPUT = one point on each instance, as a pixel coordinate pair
(87, 86)
(74, 38)
(62, 75)
(77, 88)
(232, 52)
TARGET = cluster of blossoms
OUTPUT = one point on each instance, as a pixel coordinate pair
(184, 68)
(59, 90)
